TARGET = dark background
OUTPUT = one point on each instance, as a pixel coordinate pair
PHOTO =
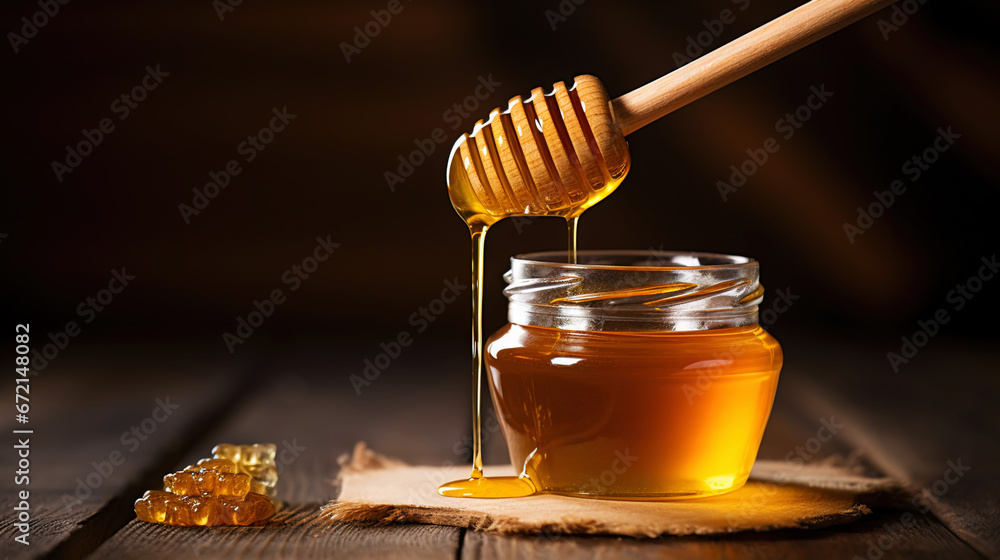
(324, 175)
(291, 381)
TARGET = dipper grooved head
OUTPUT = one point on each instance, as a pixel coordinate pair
(553, 154)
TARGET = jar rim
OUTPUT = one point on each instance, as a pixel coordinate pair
(558, 258)
(633, 290)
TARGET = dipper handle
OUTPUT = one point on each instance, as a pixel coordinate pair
(762, 46)
(559, 153)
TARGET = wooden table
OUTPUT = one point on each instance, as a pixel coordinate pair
(940, 408)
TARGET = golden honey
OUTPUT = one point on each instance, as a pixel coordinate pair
(633, 415)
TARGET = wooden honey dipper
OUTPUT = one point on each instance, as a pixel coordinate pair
(559, 153)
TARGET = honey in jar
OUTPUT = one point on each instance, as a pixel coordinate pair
(633, 374)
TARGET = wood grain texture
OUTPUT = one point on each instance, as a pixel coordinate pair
(85, 462)
(749, 53)
(293, 533)
(925, 539)
(313, 420)
(936, 427)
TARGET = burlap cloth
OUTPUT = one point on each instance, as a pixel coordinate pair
(378, 490)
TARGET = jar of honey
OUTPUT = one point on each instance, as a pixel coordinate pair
(633, 374)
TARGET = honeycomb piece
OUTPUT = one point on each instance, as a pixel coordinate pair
(157, 506)
(231, 488)
(256, 460)
(213, 476)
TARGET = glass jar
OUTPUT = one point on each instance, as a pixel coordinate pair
(633, 374)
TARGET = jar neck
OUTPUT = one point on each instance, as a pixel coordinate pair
(633, 291)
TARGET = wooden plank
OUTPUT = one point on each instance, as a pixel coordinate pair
(293, 533)
(933, 425)
(925, 539)
(313, 414)
(84, 455)
(414, 416)
(802, 427)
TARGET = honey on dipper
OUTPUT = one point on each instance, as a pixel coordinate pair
(231, 488)
(553, 154)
